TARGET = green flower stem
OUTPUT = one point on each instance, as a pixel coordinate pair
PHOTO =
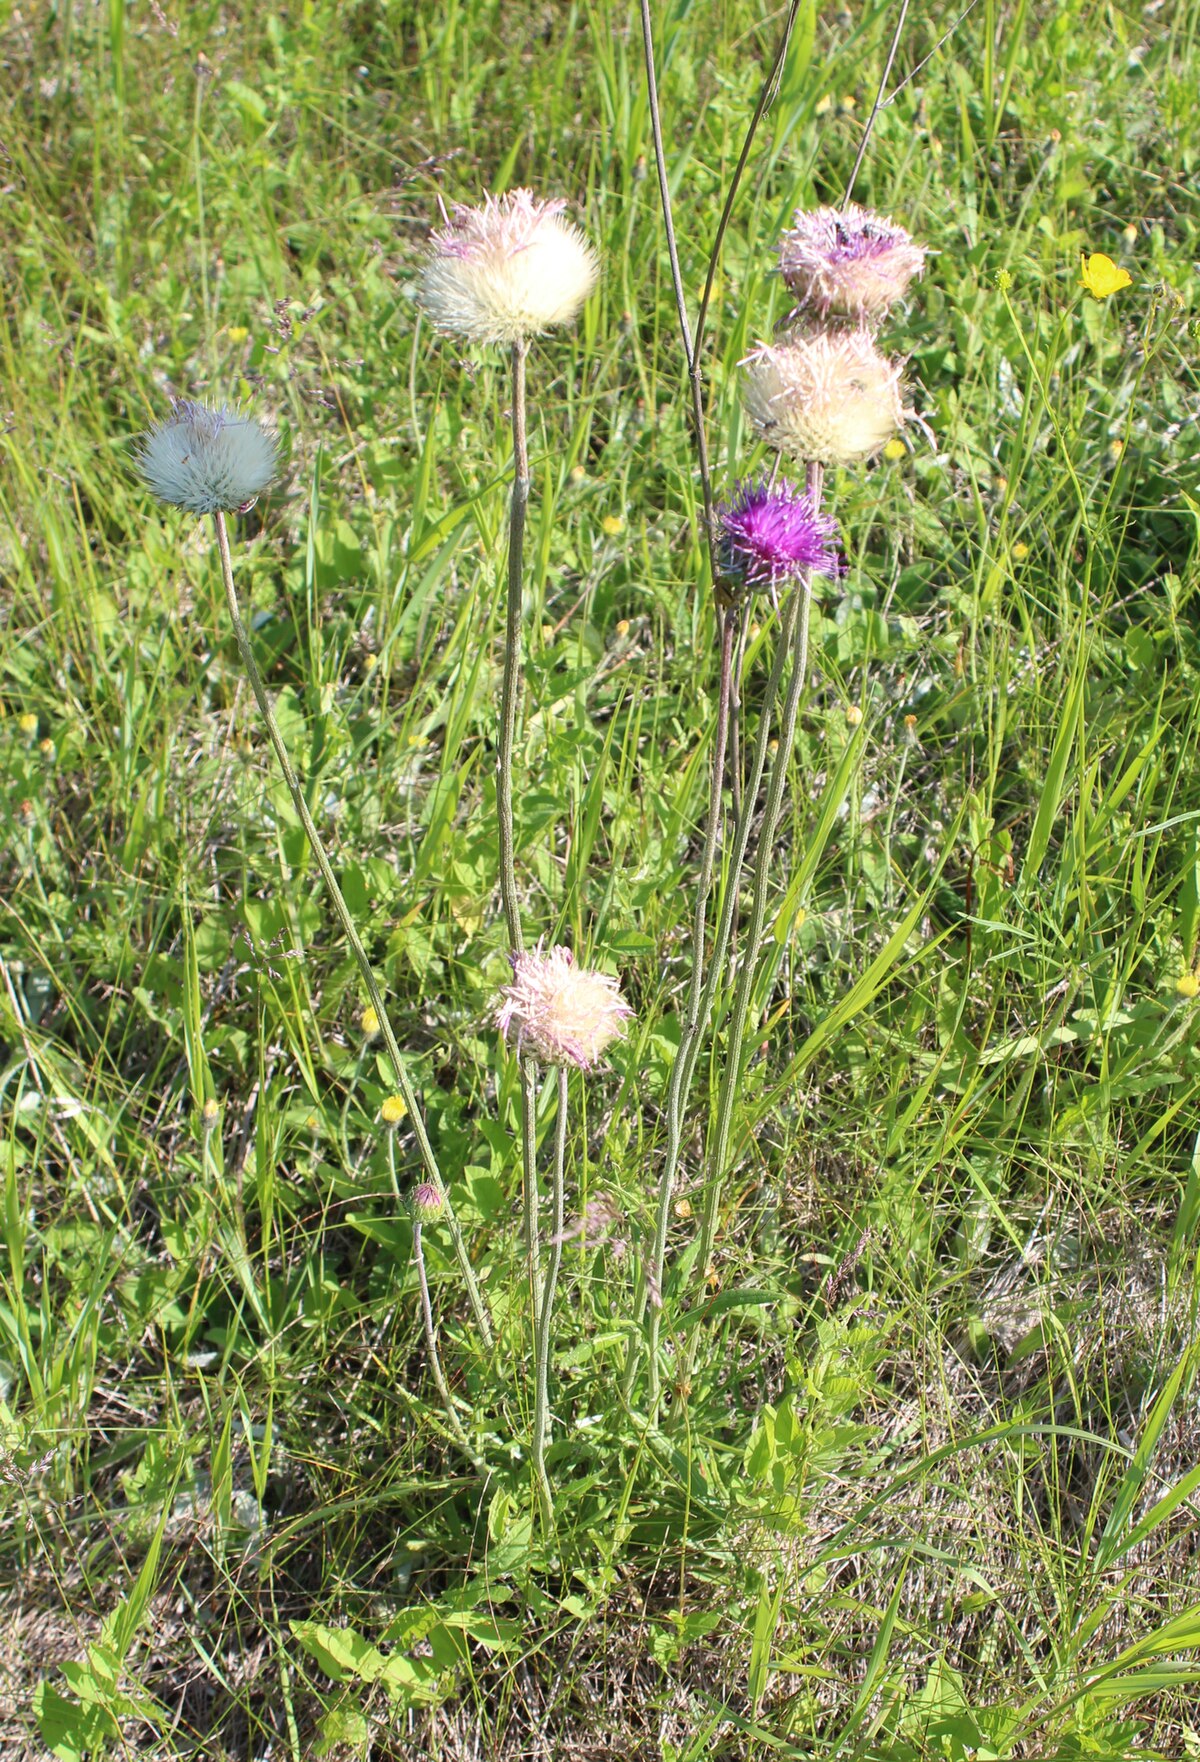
(431, 1345)
(731, 1075)
(510, 686)
(403, 1082)
(699, 1012)
(545, 1319)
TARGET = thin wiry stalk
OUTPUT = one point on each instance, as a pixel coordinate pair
(878, 104)
(683, 1068)
(400, 1069)
(545, 1320)
(510, 687)
(431, 1345)
(776, 785)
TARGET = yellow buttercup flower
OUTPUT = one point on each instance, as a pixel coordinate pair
(1101, 276)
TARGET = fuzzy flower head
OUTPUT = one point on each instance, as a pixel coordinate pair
(208, 460)
(563, 1014)
(508, 270)
(851, 262)
(771, 534)
(428, 1203)
(828, 396)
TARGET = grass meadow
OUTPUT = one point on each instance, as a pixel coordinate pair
(924, 1479)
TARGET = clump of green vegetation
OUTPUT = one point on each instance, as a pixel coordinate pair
(921, 1473)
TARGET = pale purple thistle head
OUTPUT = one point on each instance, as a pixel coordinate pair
(852, 262)
(771, 534)
(560, 1013)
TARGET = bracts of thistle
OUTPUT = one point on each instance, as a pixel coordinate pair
(218, 460)
(556, 1013)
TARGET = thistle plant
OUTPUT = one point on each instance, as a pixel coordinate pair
(217, 461)
(500, 274)
(562, 1015)
(822, 394)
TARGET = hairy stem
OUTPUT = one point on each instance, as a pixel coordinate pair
(776, 785)
(545, 1320)
(400, 1069)
(510, 687)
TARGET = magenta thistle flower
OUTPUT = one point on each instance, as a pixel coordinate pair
(853, 262)
(563, 1014)
(771, 534)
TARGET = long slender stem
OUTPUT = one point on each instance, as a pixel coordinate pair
(403, 1081)
(545, 1320)
(431, 1345)
(878, 104)
(730, 1076)
(683, 1068)
(510, 688)
(435, 1362)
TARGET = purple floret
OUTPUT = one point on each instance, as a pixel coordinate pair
(771, 534)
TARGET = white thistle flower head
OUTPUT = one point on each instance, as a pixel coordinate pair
(563, 1014)
(826, 396)
(507, 270)
(208, 460)
(852, 262)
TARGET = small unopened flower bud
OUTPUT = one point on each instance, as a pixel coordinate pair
(507, 270)
(369, 1022)
(208, 460)
(563, 1014)
(393, 1110)
(895, 450)
(854, 715)
(46, 748)
(852, 261)
(828, 396)
(428, 1203)
(210, 1116)
(622, 627)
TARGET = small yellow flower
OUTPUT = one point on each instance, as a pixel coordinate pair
(853, 715)
(46, 748)
(210, 1116)
(237, 333)
(28, 723)
(393, 1110)
(1101, 276)
(848, 103)
(1188, 985)
(1115, 448)
(369, 1022)
(824, 105)
(1020, 551)
(895, 449)
(578, 473)
(612, 525)
(622, 626)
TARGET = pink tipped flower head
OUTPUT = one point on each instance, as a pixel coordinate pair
(508, 270)
(771, 534)
(208, 460)
(852, 262)
(428, 1203)
(828, 396)
(563, 1014)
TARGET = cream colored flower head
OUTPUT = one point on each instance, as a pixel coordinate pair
(826, 396)
(852, 261)
(508, 270)
(563, 1014)
(208, 460)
